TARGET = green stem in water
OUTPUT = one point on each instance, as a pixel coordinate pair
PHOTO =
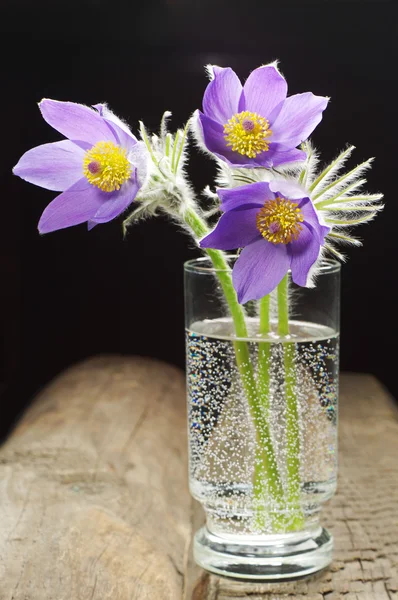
(283, 307)
(266, 465)
(263, 378)
(264, 354)
(292, 418)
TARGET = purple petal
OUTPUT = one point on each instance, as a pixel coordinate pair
(259, 269)
(298, 118)
(221, 98)
(54, 166)
(281, 157)
(117, 202)
(139, 158)
(108, 115)
(77, 205)
(120, 129)
(275, 156)
(304, 251)
(83, 145)
(214, 140)
(213, 136)
(76, 121)
(264, 92)
(125, 139)
(101, 107)
(287, 189)
(235, 229)
(245, 196)
(215, 70)
(311, 218)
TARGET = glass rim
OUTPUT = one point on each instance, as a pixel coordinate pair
(203, 265)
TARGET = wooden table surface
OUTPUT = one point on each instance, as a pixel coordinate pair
(94, 502)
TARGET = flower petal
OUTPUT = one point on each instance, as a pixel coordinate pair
(108, 115)
(275, 156)
(221, 98)
(78, 204)
(117, 202)
(139, 157)
(298, 118)
(245, 196)
(259, 269)
(288, 189)
(213, 136)
(214, 140)
(235, 229)
(264, 92)
(54, 166)
(76, 121)
(120, 129)
(311, 217)
(281, 157)
(304, 252)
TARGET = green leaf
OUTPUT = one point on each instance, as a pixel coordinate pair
(348, 222)
(334, 166)
(348, 177)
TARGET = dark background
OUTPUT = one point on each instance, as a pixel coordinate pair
(71, 294)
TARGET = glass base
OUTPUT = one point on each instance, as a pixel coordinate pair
(265, 558)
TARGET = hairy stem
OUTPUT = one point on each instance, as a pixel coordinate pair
(266, 469)
(263, 378)
(292, 417)
(264, 353)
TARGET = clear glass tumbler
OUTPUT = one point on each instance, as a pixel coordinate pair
(262, 420)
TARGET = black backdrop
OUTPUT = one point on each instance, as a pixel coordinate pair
(72, 294)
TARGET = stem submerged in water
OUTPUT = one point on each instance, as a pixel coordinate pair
(292, 417)
(267, 480)
(264, 355)
(263, 378)
(266, 476)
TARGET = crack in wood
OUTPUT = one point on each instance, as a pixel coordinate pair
(94, 588)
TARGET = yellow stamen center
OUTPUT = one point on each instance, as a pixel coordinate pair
(279, 221)
(247, 133)
(106, 166)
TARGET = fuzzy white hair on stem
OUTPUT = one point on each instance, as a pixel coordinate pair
(330, 171)
(309, 168)
(167, 189)
(232, 177)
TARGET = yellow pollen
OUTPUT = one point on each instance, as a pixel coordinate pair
(106, 166)
(279, 221)
(247, 133)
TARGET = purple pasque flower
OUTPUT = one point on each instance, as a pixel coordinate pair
(256, 125)
(278, 228)
(99, 168)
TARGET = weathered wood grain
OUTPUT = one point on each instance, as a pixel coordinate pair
(93, 487)
(94, 501)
